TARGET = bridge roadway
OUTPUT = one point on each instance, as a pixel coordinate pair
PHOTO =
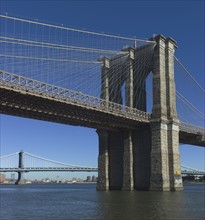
(74, 169)
(45, 169)
(21, 96)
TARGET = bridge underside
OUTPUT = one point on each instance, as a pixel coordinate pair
(192, 138)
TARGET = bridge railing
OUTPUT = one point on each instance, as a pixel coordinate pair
(31, 86)
(189, 172)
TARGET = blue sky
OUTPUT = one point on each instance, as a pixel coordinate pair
(182, 20)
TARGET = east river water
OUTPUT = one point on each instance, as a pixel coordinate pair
(82, 201)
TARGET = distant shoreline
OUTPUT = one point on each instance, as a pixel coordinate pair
(52, 183)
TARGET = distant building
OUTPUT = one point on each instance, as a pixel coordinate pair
(94, 179)
(2, 178)
(89, 179)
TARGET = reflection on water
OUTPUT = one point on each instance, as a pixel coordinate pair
(66, 202)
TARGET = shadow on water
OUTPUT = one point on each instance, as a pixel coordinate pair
(188, 204)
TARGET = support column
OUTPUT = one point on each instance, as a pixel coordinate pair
(173, 126)
(159, 154)
(159, 180)
(128, 182)
(159, 110)
(165, 162)
(19, 181)
(103, 158)
(176, 183)
(105, 79)
(129, 79)
(103, 161)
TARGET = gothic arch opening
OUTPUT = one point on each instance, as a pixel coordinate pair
(149, 92)
(123, 93)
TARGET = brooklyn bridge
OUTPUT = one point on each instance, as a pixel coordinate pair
(125, 88)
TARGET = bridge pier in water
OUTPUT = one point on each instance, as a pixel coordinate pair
(124, 161)
(20, 165)
(145, 158)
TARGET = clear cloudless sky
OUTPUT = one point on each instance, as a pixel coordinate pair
(182, 20)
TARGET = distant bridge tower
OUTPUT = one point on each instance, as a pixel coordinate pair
(145, 158)
(21, 165)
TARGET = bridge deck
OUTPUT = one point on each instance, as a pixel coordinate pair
(41, 169)
(28, 98)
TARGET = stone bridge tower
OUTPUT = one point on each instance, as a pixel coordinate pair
(145, 158)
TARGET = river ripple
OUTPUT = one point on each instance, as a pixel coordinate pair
(82, 201)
